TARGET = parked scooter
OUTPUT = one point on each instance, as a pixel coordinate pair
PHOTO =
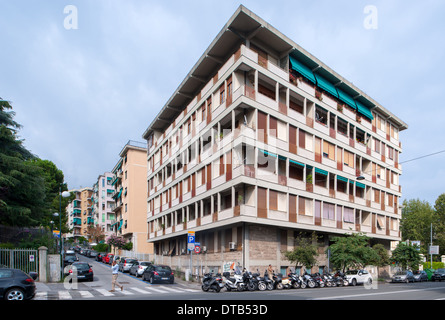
(340, 279)
(329, 280)
(234, 283)
(210, 282)
(270, 283)
(278, 284)
(309, 280)
(295, 280)
(319, 282)
(249, 281)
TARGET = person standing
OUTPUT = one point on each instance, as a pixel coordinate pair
(114, 275)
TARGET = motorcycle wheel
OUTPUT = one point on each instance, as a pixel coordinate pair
(345, 283)
(204, 288)
(262, 286)
(303, 285)
(311, 284)
(280, 286)
(251, 287)
(216, 288)
(269, 286)
(240, 287)
(296, 285)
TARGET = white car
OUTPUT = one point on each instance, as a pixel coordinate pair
(355, 277)
(138, 268)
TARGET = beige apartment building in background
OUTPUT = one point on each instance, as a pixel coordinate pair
(130, 185)
(260, 142)
(80, 213)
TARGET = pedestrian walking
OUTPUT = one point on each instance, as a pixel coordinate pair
(114, 275)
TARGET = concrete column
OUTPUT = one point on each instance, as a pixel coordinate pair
(43, 262)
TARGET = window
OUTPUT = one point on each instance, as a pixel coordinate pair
(328, 150)
(348, 215)
(328, 211)
(321, 115)
(349, 159)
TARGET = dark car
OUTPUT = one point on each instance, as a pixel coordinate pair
(439, 275)
(69, 259)
(405, 276)
(158, 273)
(16, 284)
(420, 276)
(84, 271)
(100, 255)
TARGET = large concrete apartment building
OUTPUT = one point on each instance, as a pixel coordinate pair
(79, 212)
(262, 141)
(103, 202)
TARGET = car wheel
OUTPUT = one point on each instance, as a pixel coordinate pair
(15, 294)
(354, 282)
(151, 280)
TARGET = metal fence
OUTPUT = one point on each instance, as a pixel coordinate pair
(26, 260)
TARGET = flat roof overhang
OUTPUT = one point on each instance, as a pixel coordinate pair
(244, 25)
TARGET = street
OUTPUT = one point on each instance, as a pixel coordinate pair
(136, 289)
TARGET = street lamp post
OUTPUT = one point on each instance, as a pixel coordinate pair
(64, 194)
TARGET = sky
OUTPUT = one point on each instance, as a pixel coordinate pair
(85, 77)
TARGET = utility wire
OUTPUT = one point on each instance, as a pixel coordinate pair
(428, 155)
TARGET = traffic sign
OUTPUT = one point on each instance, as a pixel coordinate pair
(191, 240)
(197, 247)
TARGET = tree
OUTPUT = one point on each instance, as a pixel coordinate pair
(352, 251)
(439, 223)
(406, 255)
(95, 233)
(304, 252)
(416, 220)
(115, 241)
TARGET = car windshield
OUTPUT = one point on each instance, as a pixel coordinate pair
(145, 263)
(440, 270)
(130, 261)
(400, 273)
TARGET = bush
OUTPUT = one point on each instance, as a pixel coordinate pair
(436, 265)
(101, 247)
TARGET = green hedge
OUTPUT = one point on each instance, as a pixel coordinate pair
(436, 265)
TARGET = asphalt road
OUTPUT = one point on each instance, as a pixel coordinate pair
(136, 289)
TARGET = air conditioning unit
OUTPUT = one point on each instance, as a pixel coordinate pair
(203, 249)
(165, 252)
(232, 245)
(182, 251)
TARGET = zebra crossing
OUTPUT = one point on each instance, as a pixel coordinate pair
(101, 292)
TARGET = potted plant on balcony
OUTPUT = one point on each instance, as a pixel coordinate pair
(340, 107)
(318, 95)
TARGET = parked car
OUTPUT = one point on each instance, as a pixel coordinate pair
(355, 277)
(420, 275)
(84, 271)
(439, 275)
(138, 268)
(100, 255)
(69, 259)
(16, 284)
(405, 276)
(155, 273)
(93, 254)
(107, 258)
(126, 263)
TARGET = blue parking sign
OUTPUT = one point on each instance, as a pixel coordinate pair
(191, 240)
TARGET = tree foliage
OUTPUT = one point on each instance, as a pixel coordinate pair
(407, 256)
(28, 185)
(305, 251)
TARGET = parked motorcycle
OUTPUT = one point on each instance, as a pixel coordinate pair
(329, 280)
(296, 281)
(270, 283)
(249, 281)
(210, 282)
(309, 281)
(340, 279)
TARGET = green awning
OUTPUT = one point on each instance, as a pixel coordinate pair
(302, 69)
(326, 85)
(342, 178)
(297, 163)
(346, 98)
(323, 172)
(364, 111)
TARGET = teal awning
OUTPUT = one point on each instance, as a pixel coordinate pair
(297, 163)
(268, 153)
(346, 98)
(323, 172)
(342, 178)
(360, 185)
(302, 69)
(326, 85)
(364, 111)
